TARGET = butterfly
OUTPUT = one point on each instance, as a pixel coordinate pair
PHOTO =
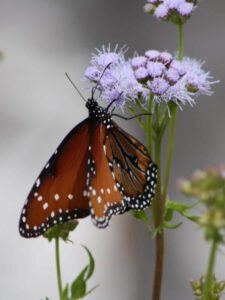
(98, 170)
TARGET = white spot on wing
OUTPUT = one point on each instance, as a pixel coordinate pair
(38, 182)
(56, 197)
(45, 205)
(70, 196)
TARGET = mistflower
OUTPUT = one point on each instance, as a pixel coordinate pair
(171, 80)
(177, 11)
(163, 75)
(117, 81)
(198, 81)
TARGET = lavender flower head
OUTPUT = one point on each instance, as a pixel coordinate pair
(177, 11)
(118, 81)
(198, 81)
(171, 80)
(156, 73)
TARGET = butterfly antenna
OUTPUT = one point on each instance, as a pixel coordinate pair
(97, 84)
(131, 118)
(74, 85)
(111, 103)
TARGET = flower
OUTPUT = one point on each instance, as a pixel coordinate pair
(198, 81)
(171, 80)
(115, 75)
(162, 75)
(176, 11)
(159, 73)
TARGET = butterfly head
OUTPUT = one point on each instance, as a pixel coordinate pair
(99, 113)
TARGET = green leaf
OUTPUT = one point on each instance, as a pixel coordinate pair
(91, 266)
(171, 226)
(181, 208)
(65, 293)
(141, 215)
(168, 214)
(78, 287)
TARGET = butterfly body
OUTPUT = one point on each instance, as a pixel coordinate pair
(98, 169)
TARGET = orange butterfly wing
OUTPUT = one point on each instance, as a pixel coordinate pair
(123, 175)
(131, 166)
(104, 196)
(58, 194)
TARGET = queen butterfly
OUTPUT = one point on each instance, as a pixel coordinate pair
(98, 169)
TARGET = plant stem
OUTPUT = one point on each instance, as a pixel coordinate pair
(208, 279)
(160, 198)
(173, 121)
(149, 125)
(157, 209)
(170, 149)
(59, 279)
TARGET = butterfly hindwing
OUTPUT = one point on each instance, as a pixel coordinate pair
(134, 172)
(58, 194)
(104, 196)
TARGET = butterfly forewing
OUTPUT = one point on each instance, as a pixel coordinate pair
(105, 197)
(131, 166)
(58, 194)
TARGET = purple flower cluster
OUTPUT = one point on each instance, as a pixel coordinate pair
(173, 10)
(156, 73)
(158, 69)
(171, 80)
(197, 80)
(118, 81)
(163, 75)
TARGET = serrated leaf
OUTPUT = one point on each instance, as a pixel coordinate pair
(91, 266)
(141, 215)
(78, 287)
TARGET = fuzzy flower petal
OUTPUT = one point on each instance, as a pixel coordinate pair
(152, 54)
(141, 73)
(171, 80)
(118, 81)
(185, 9)
(159, 86)
(166, 57)
(161, 11)
(92, 73)
(139, 61)
(171, 10)
(197, 80)
(155, 68)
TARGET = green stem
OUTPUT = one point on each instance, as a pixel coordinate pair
(206, 295)
(173, 121)
(59, 279)
(157, 211)
(170, 149)
(158, 216)
(159, 201)
(149, 125)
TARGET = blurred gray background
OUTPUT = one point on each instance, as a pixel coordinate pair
(43, 39)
